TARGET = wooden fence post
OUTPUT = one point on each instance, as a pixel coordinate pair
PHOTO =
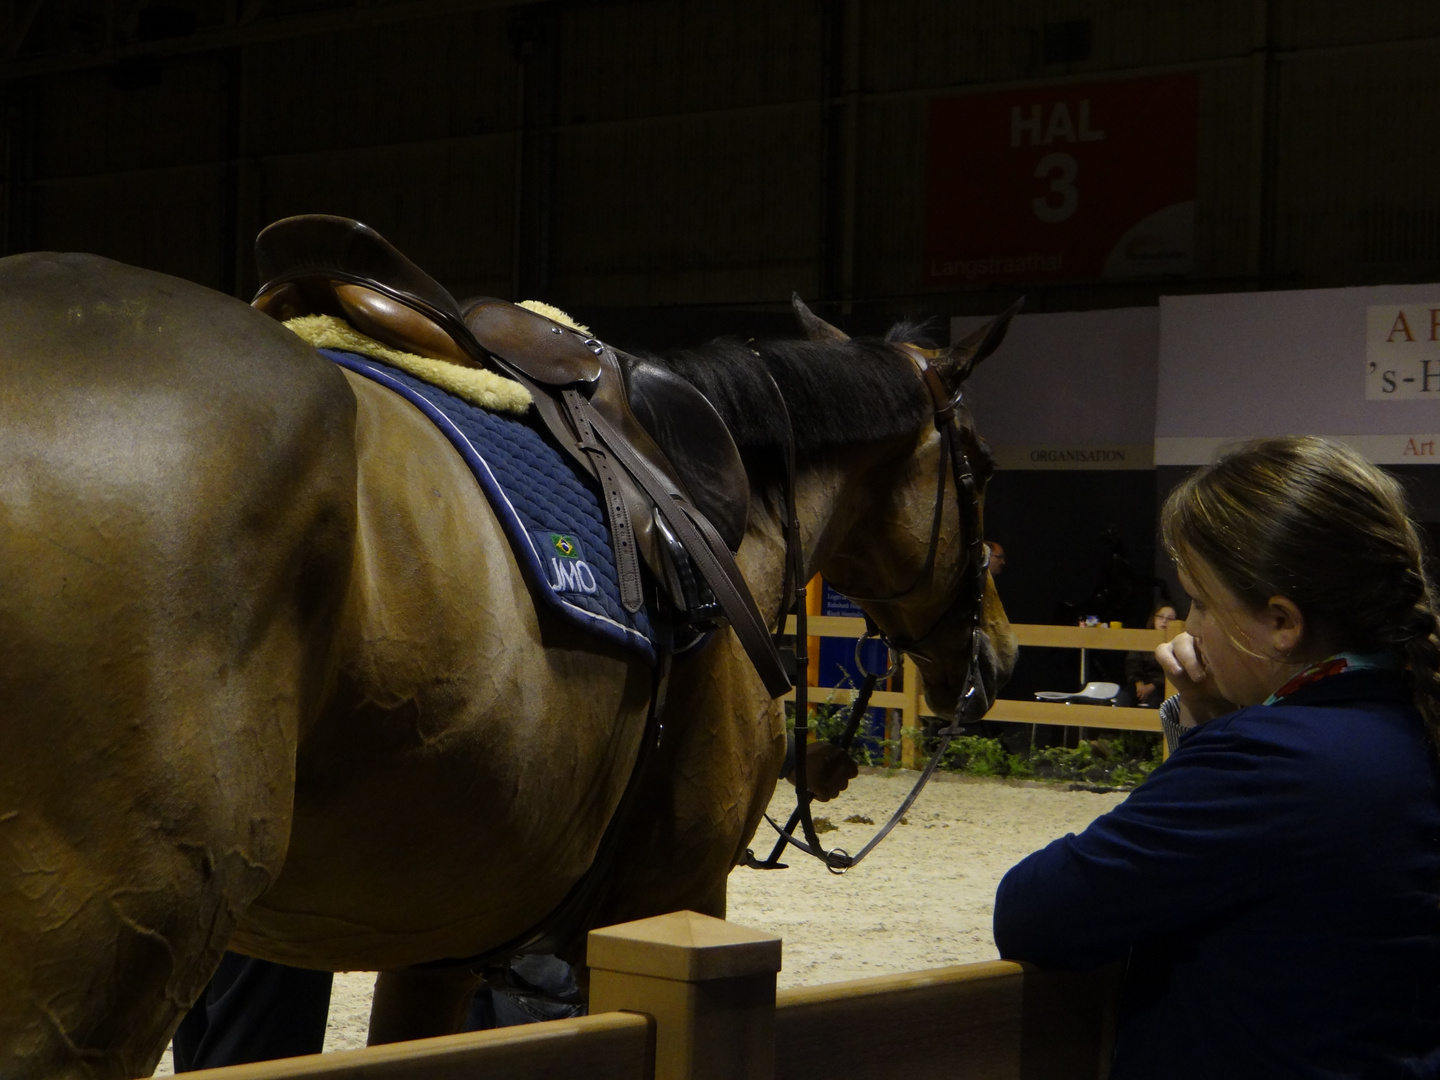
(709, 986)
(910, 717)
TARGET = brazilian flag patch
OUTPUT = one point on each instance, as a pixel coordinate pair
(565, 567)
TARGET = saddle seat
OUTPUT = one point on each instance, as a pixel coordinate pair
(321, 264)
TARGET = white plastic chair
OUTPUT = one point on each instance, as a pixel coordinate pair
(1093, 693)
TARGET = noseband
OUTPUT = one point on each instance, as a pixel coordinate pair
(952, 458)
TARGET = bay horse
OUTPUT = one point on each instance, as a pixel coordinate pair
(271, 680)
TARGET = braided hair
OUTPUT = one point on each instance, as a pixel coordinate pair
(1311, 520)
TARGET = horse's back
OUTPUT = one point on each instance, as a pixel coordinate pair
(177, 485)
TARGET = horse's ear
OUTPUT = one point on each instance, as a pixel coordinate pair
(814, 327)
(961, 358)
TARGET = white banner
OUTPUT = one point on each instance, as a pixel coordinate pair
(1087, 456)
(1402, 352)
(1378, 449)
(1245, 365)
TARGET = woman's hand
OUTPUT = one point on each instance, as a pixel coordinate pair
(1185, 667)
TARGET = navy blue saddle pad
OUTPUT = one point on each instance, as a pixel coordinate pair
(553, 518)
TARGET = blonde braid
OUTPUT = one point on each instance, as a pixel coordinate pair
(1423, 652)
(1422, 639)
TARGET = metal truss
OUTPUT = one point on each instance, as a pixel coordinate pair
(79, 34)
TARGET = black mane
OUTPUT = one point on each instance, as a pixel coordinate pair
(837, 393)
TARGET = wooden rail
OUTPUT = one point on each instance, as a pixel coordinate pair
(688, 997)
(911, 700)
(988, 1021)
(607, 1046)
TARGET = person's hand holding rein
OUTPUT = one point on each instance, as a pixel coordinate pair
(1200, 699)
(828, 770)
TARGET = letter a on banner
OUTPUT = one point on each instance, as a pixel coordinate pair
(1402, 326)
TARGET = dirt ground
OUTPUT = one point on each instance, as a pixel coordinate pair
(922, 899)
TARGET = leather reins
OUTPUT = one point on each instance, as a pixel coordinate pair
(952, 459)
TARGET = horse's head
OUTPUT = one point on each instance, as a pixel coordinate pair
(914, 557)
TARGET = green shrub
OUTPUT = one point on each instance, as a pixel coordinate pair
(1120, 759)
(1123, 760)
(979, 756)
(827, 721)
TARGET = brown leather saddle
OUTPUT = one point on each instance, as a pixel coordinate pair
(675, 490)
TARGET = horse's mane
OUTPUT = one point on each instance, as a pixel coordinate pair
(837, 393)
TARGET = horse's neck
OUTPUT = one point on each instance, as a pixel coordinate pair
(825, 514)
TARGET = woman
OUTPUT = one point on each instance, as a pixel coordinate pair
(1144, 677)
(1275, 885)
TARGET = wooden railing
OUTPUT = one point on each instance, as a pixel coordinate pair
(606, 1046)
(910, 701)
(986, 1021)
(688, 997)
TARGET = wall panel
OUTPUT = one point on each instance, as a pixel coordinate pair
(401, 83)
(445, 204)
(87, 126)
(1228, 173)
(1355, 167)
(1311, 24)
(707, 209)
(890, 197)
(653, 58)
(914, 44)
(919, 44)
(685, 151)
(1157, 32)
(155, 219)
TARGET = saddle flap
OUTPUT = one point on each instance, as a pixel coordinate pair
(540, 348)
(697, 444)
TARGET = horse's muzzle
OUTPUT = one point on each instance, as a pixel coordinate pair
(946, 679)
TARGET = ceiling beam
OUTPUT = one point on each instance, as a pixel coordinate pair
(249, 31)
(23, 13)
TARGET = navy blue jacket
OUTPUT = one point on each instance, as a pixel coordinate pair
(1276, 887)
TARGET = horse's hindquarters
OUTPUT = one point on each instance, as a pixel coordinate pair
(176, 502)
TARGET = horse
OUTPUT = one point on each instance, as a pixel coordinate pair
(272, 681)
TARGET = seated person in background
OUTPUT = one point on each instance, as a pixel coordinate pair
(1275, 884)
(1143, 675)
(997, 557)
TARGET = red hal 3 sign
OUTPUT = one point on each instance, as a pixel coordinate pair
(1067, 182)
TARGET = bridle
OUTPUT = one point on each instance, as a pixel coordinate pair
(952, 459)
